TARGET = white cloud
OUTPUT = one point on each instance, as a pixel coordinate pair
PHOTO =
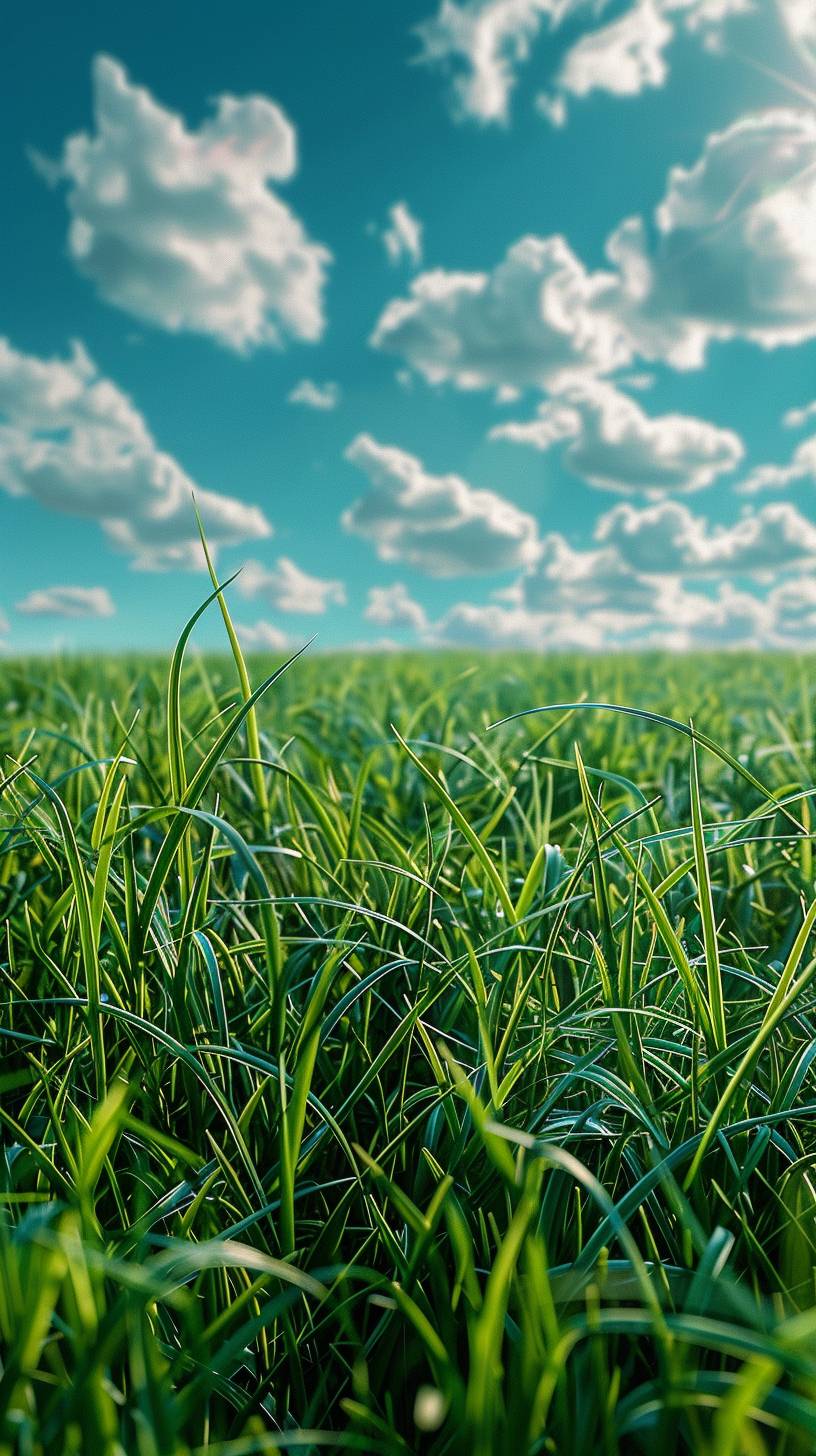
(615, 445)
(393, 606)
(677, 620)
(67, 601)
(262, 637)
(437, 523)
(792, 608)
(535, 319)
(180, 227)
(669, 538)
(628, 55)
(734, 252)
(290, 589)
(470, 624)
(74, 442)
(794, 419)
(403, 236)
(483, 44)
(800, 468)
(565, 580)
(324, 396)
(800, 18)
(622, 58)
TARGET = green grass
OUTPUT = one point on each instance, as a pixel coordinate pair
(376, 1080)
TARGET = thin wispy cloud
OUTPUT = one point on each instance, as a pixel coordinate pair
(402, 238)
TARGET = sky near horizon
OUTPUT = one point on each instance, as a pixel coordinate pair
(481, 322)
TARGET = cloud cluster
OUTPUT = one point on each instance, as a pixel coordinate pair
(653, 576)
(678, 621)
(437, 523)
(615, 445)
(657, 574)
(67, 601)
(668, 537)
(731, 253)
(180, 227)
(71, 440)
(482, 44)
(289, 588)
(628, 55)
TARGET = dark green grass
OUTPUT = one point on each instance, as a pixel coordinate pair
(437, 1090)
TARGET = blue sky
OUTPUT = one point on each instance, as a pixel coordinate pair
(540, 274)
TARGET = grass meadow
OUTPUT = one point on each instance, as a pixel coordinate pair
(380, 1080)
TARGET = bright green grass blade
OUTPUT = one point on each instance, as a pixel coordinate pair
(716, 1007)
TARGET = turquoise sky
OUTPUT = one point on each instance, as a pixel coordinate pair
(212, 257)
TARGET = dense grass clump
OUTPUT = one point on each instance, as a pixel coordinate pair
(417, 1089)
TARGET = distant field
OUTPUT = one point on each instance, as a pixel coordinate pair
(437, 1090)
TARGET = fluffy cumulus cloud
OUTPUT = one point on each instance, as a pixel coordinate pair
(656, 577)
(668, 537)
(566, 579)
(181, 227)
(402, 238)
(324, 396)
(483, 44)
(677, 619)
(67, 601)
(615, 445)
(535, 319)
(622, 58)
(74, 442)
(289, 588)
(262, 637)
(628, 55)
(733, 250)
(731, 253)
(393, 606)
(437, 523)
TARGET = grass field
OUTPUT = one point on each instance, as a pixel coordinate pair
(407, 1089)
